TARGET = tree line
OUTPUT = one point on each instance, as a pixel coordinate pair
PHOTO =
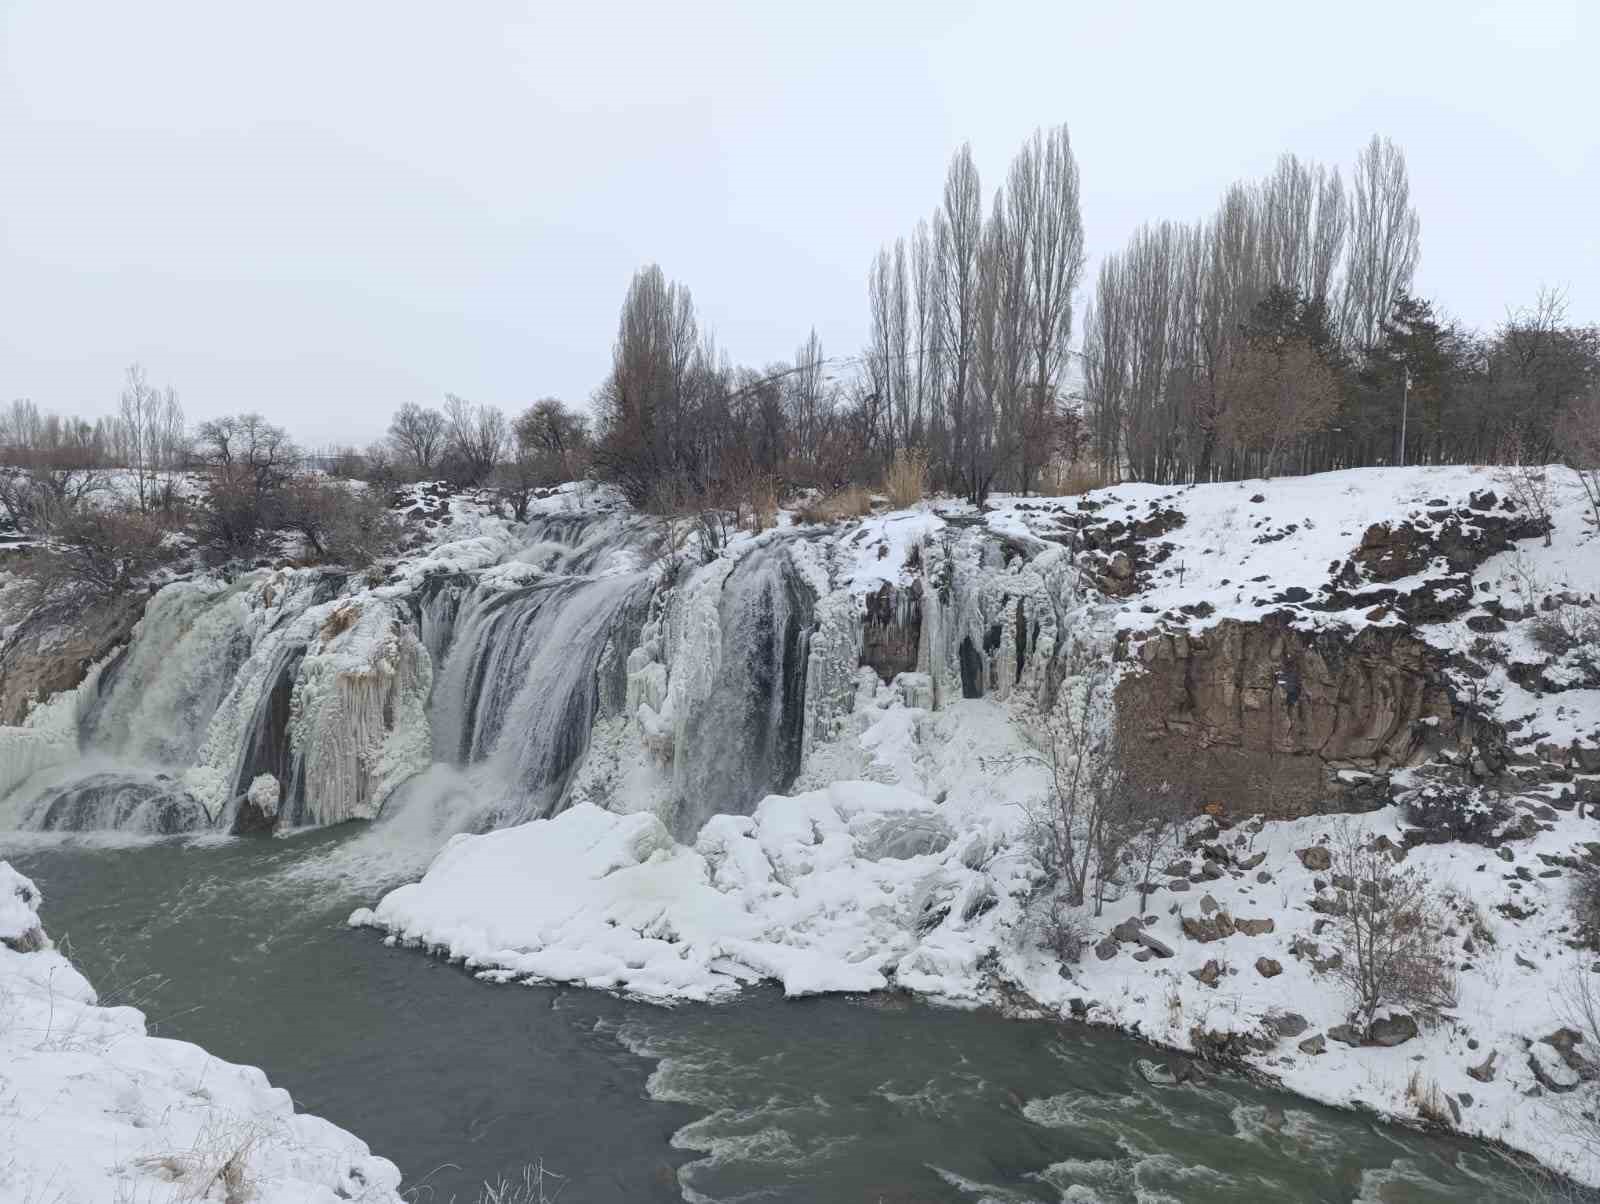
(1281, 335)
(970, 331)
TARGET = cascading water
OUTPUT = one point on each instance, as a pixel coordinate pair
(742, 739)
(527, 671)
(519, 691)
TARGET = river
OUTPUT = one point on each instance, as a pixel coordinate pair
(241, 946)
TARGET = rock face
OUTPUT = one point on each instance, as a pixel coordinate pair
(1260, 714)
(49, 655)
(892, 629)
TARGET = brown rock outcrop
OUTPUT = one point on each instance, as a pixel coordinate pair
(1262, 716)
(50, 654)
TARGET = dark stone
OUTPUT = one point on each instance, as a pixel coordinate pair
(1394, 1029)
(1268, 968)
(1317, 857)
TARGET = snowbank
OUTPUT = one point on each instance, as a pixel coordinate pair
(822, 891)
(91, 1108)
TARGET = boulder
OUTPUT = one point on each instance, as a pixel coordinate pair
(1551, 1071)
(1316, 858)
(1394, 1029)
(1208, 974)
(1106, 949)
(1268, 968)
(1159, 948)
(1128, 930)
(1288, 1024)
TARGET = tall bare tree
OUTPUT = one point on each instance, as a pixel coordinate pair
(1385, 238)
(476, 437)
(958, 242)
(1047, 224)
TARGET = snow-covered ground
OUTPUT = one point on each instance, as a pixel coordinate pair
(94, 1109)
(899, 860)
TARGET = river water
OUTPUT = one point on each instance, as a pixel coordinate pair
(241, 946)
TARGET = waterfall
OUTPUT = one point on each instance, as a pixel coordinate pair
(520, 688)
(741, 739)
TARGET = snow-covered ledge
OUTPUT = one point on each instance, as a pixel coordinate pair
(93, 1108)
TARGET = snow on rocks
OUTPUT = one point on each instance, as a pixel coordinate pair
(837, 889)
(92, 1108)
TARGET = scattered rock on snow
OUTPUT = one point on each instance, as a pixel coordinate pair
(1315, 858)
(1394, 1029)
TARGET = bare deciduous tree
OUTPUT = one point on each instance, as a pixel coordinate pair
(418, 435)
(1526, 480)
(1385, 237)
(475, 438)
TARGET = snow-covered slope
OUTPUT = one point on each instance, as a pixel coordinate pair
(94, 1109)
(901, 857)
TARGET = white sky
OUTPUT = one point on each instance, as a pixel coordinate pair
(323, 210)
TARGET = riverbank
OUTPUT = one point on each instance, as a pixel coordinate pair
(93, 1108)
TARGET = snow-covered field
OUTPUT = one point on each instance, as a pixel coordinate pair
(94, 1109)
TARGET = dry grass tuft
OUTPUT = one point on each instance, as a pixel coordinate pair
(763, 507)
(906, 481)
(850, 502)
(340, 621)
(1069, 478)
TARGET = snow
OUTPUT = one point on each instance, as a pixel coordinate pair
(93, 1108)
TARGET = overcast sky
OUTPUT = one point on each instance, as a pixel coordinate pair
(323, 210)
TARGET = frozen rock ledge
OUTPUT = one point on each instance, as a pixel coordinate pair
(93, 1108)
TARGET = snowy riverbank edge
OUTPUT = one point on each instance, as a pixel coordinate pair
(829, 891)
(94, 1108)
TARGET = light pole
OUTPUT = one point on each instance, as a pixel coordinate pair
(1405, 400)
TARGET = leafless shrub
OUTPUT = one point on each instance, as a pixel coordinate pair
(338, 523)
(1057, 925)
(1527, 482)
(1077, 830)
(95, 553)
(1389, 932)
(1566, 628)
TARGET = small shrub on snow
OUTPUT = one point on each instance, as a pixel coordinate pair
(96, 553)
(1390, 930)
(1055, 925)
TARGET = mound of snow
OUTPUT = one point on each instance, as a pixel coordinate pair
(831, 890)
(92, 1108)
